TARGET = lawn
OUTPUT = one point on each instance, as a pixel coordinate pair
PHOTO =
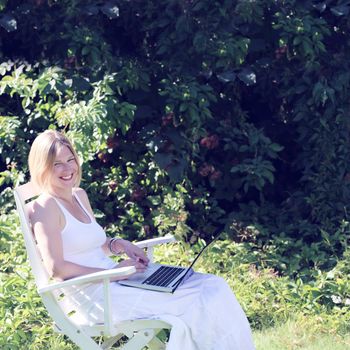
(296, 335)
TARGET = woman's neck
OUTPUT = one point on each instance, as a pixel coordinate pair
(66, 196)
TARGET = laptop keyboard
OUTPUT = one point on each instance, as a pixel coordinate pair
(163, 276)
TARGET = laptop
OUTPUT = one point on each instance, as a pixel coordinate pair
(163, 278)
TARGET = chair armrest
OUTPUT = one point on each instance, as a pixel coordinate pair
(92, 277)
(155, 241)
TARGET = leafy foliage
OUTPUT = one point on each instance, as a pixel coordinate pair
(191, 115)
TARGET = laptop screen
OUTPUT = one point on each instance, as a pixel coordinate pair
(195, 259)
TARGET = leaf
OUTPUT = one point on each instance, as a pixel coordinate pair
(200, 42)
(162, 49)
(163, 160)
(247, 76)
(183, 107)
(176, 171)
(276, 147)
(26, 102)
(299, 116)
(90, 10)
(85, 50)
(111, 10)
(299, 89)
(320, 7)
(8, 22)
(175, 137)
(80, 84)
(269, 175)
(246, 187)
(181, 24)
(207, 73)
(68, 82)
(163, 22)
(198, 6)
(235, 169)
(226, 77)
(323, 122)
(341, 10)
(297, 40)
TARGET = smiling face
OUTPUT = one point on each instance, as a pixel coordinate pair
(64, 169)
(53, 162)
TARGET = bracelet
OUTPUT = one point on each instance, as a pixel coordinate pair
(110, 246)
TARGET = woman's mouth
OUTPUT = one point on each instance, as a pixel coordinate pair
(67, 178)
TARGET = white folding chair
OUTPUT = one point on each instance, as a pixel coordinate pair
(140, 333)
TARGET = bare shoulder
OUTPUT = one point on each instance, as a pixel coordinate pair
(84, 198)
(44, 208)
(80, 192)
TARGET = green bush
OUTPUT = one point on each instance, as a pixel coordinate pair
(191, 115)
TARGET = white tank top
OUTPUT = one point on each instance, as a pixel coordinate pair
(81, 242)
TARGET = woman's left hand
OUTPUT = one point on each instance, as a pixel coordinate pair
(132, 251)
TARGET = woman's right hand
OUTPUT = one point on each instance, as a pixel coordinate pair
(139, 266)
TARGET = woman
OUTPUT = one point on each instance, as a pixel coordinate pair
(204, 313)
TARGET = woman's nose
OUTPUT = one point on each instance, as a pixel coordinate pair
(67, 166)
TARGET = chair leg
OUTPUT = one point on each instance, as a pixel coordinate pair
(111, 341)
(156, 344)
(139, 340)
(81, 339)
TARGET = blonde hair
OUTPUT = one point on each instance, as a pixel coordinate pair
(42, 156)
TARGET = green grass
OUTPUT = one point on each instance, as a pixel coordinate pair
(300, 334)
(285, 314)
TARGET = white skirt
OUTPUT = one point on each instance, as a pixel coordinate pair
(203, 312)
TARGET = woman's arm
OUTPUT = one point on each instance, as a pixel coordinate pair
(48, 222)
(131, 250)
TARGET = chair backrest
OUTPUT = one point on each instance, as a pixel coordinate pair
(24, 195)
